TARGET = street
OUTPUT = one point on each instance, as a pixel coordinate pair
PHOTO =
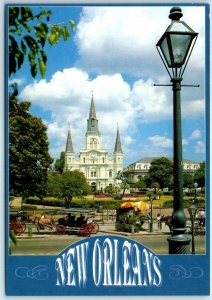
(54, 244)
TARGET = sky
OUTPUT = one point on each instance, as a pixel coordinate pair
(112, 54)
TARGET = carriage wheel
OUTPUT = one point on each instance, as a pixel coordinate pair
(93, 227)
(19, 228)
(85, 230)
(60, 229)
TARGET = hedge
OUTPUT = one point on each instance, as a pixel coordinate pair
(45, 202)
(83, 203)
(186, 203)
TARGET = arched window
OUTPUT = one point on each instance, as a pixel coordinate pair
(93, 143)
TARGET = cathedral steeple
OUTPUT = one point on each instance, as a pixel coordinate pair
(92, 122)
(92, 113)
(118, 147)
(69, 145)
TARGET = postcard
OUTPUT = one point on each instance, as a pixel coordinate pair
(107, 149)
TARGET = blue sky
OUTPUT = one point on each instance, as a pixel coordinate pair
(112, 53)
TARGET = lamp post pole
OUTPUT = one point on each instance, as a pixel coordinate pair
(179, 242)
(151, 217)
(192, 211)
(195, 186)
(175, 47)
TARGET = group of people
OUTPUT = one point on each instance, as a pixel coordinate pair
(73, 221)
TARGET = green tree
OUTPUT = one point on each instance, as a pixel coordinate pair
(67, 185)
(114, 191)
(147, 180)
(199, 175)
(28, 34)
(109, 189)
(188, 181)
(60, 163)
(161, 171)
(124, 186)
(155, 186)
(53, 185)
(140, 184)
(29, 158)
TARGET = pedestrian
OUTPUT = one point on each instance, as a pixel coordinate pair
(159, 221)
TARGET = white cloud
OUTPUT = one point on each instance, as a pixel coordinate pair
(161, 141)
(128, 140)
(193, 108)
(112, 41)
(151, 103)
(67, 96)
(123, 39)
(200, 147)
(196, 134)
(185, 142)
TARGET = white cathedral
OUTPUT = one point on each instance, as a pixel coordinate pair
(99, 167)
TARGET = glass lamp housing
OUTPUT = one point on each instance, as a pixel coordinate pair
(176, 43)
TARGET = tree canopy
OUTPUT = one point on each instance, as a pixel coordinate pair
(60, 163)
(188, 180)
(161, 171)
(28, 34)
(140, 184)
(199, 175)
(29, 158)
(67, 185)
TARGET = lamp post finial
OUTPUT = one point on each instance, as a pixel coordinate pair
(175, 13)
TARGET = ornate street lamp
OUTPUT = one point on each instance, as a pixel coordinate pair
(195, 195)
(192, 211)
(175, 47)
(151, 198)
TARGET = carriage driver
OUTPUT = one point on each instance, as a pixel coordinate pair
(70, 220)
(80, 220)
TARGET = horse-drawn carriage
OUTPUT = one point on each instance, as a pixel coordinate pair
(77, 220)
(20, 220)
(17, 221)
(199, 222)
(73, 220)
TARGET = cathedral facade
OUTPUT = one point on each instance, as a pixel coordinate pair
(100, 168)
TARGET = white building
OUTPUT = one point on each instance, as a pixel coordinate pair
(141, 167)
(99, 167)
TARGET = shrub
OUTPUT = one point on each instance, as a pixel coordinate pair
(168, 204)
(45, 201)
(29, 207)
(117, 197)
(127, 227)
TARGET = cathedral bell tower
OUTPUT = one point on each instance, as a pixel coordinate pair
(93, 136)
(118, 154)
(69, 153)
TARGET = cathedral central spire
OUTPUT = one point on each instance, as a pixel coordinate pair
(92, 113)
(92, 122)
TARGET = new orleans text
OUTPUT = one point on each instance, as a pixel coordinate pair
(109, 262)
